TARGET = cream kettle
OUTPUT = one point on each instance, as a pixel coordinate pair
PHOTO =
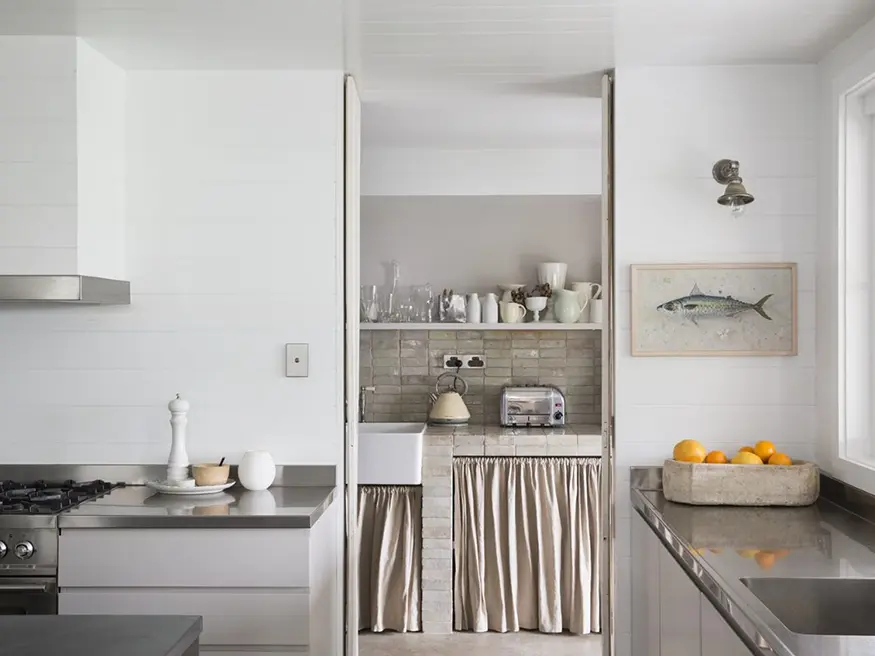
(447, 407)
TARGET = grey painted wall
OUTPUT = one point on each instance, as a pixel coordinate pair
(472, 243)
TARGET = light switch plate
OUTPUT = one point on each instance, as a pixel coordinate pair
(297, 360)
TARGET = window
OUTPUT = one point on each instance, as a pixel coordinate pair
(856, 205)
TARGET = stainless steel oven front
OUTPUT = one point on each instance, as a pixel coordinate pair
(28, 565)
(28, 595)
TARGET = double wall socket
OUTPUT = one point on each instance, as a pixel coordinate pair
(464, 361)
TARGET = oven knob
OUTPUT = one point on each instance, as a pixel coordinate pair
(3, 549)
(558, 416)
(24, 550)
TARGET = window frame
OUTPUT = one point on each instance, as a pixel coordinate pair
(853, 457)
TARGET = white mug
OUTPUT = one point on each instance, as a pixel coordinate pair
(587, 290)
(596, 310)
(512, 312)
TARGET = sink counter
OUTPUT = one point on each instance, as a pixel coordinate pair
(137, 506)
(100, 635)
(719, 546)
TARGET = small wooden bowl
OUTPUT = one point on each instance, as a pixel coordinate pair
(210, 473)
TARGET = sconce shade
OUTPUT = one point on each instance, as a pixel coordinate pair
(726, 172)
(735, 194)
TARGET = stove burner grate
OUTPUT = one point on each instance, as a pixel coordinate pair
(48, 498)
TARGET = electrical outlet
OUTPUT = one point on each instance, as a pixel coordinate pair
(464, 361)
(453, 362)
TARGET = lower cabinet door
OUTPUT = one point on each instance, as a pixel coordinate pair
(679, 600)
(276, 620)
(645, 589)
(718, 638)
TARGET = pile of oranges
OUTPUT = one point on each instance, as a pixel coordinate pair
(763, 453)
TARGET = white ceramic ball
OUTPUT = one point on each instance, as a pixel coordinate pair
(257, 470)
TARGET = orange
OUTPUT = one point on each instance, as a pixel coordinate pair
(746, 458)
(689, 451)
(780, 459)
(716, 458)
(764, 450)
(781, 553)
(765, 559)
(747, 553)
(748, 449)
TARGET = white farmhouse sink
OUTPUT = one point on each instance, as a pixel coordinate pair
(390, 454)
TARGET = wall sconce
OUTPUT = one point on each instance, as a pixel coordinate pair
(735, 196)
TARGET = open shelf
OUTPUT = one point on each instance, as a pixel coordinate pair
(540, 325)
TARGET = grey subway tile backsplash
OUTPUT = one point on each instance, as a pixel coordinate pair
(404, 366)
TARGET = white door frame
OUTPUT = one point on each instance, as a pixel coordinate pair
(352, 273)
(607, 577)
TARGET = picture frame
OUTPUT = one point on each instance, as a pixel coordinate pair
(695, 310)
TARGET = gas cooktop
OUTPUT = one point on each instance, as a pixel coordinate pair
(48, 497)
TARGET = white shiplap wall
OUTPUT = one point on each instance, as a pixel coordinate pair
(232, 240)
(672, 124)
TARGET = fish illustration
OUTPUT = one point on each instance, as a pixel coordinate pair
(697, 306)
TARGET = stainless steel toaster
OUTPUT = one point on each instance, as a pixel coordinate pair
(532, 405)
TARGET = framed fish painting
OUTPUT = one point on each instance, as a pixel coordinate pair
(714, 309)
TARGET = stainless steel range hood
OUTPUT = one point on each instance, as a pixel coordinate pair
(82, 290)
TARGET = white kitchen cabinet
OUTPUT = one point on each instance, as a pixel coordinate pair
(260, 591)
(670, 617)
(645, 589)
(231, 617)
(679, 600)
(718, 638)
(183, 558)
(291, 651)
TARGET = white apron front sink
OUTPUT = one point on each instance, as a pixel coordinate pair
(390, 453)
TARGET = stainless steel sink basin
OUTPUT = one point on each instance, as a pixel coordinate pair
(819, 606)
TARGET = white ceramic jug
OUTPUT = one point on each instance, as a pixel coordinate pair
(489, 309)
(512, 312)
(257, 470)
(472, 308)
(566, 307)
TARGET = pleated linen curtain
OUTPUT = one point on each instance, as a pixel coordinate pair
(390, 544)
(528, 540)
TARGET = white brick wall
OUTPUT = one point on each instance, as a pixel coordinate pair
(672, 124)
(232, 240)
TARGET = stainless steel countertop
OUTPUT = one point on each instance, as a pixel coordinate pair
(98, 635)
(823, 540)
(137, 506)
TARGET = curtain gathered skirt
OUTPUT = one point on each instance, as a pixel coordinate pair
(390, 546)
(528, 542)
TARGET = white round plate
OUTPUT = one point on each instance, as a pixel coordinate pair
(198, 490)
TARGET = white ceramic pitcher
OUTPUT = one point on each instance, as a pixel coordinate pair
(566, 307)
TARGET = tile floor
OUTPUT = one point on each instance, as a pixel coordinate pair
(478, 644)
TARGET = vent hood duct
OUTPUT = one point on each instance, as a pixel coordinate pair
(67, 244)
(83, 290)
